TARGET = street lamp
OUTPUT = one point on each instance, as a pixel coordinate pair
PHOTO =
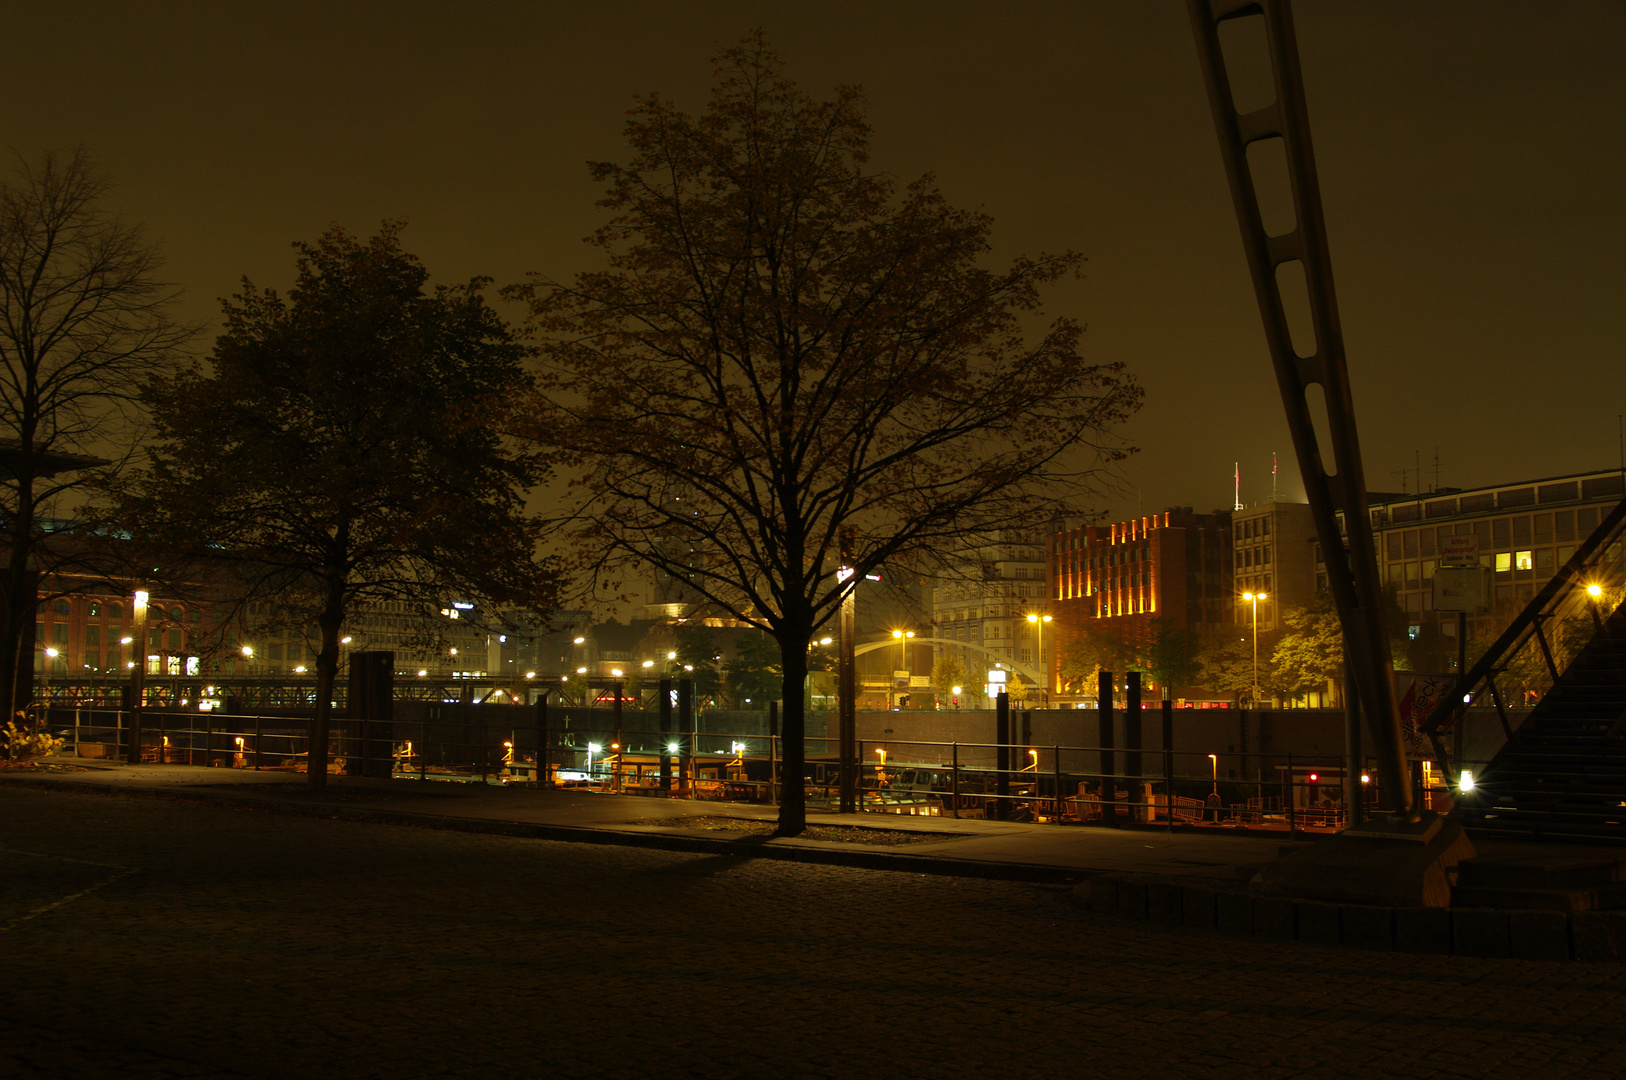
(903, 637)
(1255, 598)
(1214, 760)
(1038, 622)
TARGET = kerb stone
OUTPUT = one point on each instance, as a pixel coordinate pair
(1539, 935)
(1425, 930)
(1367, 927)
(1479, 932)
(1318, 923)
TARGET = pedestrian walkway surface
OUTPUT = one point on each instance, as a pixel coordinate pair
(1043, 852)
(958, 846)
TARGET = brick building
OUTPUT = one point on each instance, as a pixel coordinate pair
(1175, 565)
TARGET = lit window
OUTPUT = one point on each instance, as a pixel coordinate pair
(1522, 560)
(1504, 562)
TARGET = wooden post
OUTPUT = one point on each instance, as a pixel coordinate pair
(1168, 760)
(615, 777)
(1292, 821)
(1109, 765)
(686, 729)
(1132, 719)
(1002, 753)
(1060, 799)
(665, 714)
(773, 756)
(1354, 796)
(543, 738)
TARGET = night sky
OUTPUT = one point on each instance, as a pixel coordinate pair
(1471, 159)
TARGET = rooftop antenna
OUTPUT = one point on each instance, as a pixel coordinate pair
(1436, 468)
(1237, 502)
(1273, 476)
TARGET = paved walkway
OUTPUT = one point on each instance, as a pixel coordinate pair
(196, 936)
(959, 846)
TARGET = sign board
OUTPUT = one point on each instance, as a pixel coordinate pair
(901, 676)
(919, 682)
(997, 675)
(1462, 588)
(1419, 695)
(1459, 551)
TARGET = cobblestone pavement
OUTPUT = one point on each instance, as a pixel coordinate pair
(146, 938)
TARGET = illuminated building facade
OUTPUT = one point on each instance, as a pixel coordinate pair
(1175, 565)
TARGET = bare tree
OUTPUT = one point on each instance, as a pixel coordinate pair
(84, 320)
(791, 364)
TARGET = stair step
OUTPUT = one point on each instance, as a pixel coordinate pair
(1604, 898)
(1540, 872)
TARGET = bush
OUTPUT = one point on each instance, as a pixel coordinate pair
(23, 744)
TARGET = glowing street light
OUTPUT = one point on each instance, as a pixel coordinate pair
(903, 637)
(1255, 598)
(1214, 759)
(1038, 622)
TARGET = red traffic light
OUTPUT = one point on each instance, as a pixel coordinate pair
(1314, 778)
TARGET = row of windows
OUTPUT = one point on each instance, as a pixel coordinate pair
(1247, 530)
(1533, 529)
(1537, 559)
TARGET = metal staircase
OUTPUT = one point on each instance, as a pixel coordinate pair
(1561, 773)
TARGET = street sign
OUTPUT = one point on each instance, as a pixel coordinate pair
(1459, 551)
(1462, 588)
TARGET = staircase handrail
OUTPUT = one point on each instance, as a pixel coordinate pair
(1561, 591)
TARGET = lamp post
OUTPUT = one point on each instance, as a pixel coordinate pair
(138, 673)
(1038, 622)
(1255, 598)
(1594, 593)
(903, 637)
(50, 660)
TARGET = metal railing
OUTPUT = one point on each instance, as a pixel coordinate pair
(1282, 793)
(1530, 655)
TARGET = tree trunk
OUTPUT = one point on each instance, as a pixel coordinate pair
(793, 727)
(22, 607)
(327, 673)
